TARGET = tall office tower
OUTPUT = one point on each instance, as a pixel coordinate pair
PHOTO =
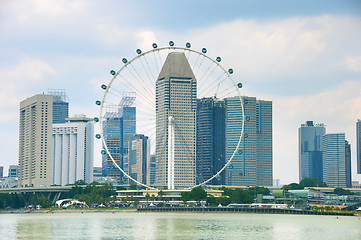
(210, 140)
(252, 163)
(127, 115)
(13, 171)
(60, 105)
(1, 171)
(111, 133)
(358, 143)
(243, 168)
(333, 159)
(152, 168)
(264, 143)
(73, 147)
(348, 164)
(176, 99)
(309, 147)
(35, 148)
(139, 159)
(119, 126)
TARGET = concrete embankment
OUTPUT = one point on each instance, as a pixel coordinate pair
(242, 210)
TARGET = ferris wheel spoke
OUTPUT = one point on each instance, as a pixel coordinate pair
(151, 79)
(212, 85)
(143, 85)
(136, 90)
(201, 81)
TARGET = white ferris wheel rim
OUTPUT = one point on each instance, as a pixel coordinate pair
(155, 49)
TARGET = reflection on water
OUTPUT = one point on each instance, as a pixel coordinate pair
(132, 225)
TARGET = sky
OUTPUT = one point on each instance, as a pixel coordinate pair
(305, 56)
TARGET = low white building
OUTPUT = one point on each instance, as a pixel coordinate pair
(73, 145)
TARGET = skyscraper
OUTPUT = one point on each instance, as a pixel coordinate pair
(13, 171)
(243, 169)
(210, 140)
(139, 159)
(348, 164)
(152, 169)
(35, 148)
(176, 99)
(310, 154)
(119, 126)
(73, 147)
(264, 143)
(111, 133)
(252, 164)
(333, 159)
(358, 145)
(60, 105)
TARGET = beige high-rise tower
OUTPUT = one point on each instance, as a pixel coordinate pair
(35, 141)
(176, 97)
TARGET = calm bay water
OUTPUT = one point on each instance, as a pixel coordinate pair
(131, 225)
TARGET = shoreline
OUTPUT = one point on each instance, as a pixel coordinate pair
(82, 210)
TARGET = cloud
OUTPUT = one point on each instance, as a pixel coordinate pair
(353, 63)
(145, 39)
(16, 82)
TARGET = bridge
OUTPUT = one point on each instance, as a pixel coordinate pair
(53, 192)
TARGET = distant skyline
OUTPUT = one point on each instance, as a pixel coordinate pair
(305, 57)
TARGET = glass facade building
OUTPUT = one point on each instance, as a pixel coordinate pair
(210, 140)
(348, 164)
(252, 163)
(60, 105)
(333, 159)
(310, 154)
(358, 145)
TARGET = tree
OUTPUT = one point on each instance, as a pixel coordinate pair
(198, 194)
(147, 197)
(312, 182)
(253, 191)
(133, 187)
(340, 191)
(241, 196)
(43, 201)
(186, 196)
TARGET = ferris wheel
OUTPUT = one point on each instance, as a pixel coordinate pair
(135, 85)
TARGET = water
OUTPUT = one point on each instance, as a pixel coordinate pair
(132, 225)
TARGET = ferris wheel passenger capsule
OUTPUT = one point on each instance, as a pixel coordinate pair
(96, 119)
(248, 118)
(154, 45)
(245, 135)
(97, 102)
(230, 71)
(103, 86)
(204, 50)
(112, 72)
(124, 60)
(103, 152)
(188, 45)
(139, 51)
(218, 59)
(239, 85)
(171, 43)
(97, 136)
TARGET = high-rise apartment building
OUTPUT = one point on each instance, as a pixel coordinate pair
(119, 126)
(348, 164)
(60, 105)
(333, 159)
(210, 140)
(35, 148)
(358, 145)
(252, 163)
(73, 147)
(139, 159)
(310, 154)
(176, 99)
